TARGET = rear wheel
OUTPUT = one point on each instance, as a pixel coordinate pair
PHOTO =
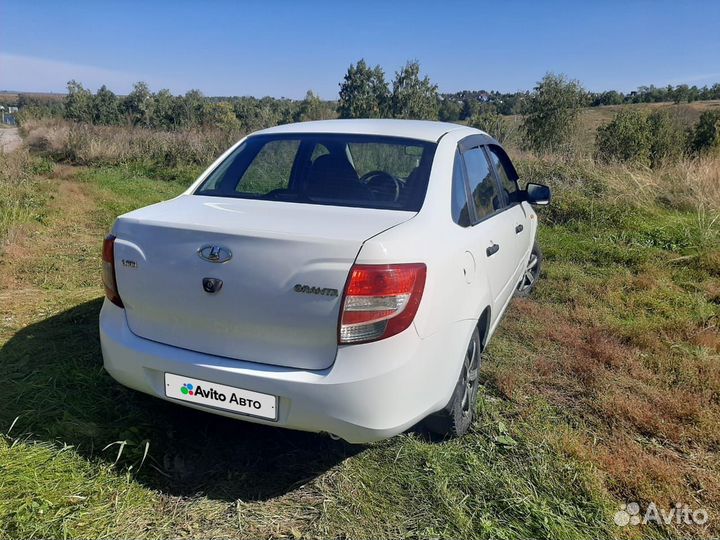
(455, 419)
(532, 272)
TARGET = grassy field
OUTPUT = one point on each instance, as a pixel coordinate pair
(602, 389)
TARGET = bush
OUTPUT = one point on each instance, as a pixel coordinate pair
(667, 138)
(626, 138)
(495, 124)
(635, 137)
(705, 135)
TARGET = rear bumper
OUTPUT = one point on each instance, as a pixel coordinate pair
(371, 392)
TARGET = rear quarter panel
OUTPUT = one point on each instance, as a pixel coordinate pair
(431, 237)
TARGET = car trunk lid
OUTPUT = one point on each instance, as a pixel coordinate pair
(281, 288)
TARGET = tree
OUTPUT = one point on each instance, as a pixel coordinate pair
(667, 138)
(705, 135)
(220, 115)
(312, 108)
(138, 105)
(626, 138)
(551, 113)
(488, 120)
(78, 102)
(413, 97)
(191, 109)
(363, 92)
(450, 109)
(105, 106)
(611, 97)
(164, 113)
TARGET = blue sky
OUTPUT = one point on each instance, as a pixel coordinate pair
(284, 48)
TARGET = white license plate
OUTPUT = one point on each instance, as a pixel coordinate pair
(220, 396)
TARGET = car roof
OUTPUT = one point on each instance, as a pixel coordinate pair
(412, 129)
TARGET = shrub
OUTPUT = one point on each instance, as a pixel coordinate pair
(634, 137)
(495, 124)
(626, 138)
(667, 138)
(705, 135)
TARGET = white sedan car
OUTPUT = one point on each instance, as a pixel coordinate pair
(339, 276)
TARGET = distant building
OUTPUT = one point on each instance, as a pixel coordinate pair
(7, 115)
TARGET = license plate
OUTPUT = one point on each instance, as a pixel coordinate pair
(219, 396)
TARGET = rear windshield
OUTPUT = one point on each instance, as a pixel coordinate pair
(343, 170)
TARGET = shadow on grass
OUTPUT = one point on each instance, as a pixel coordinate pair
(54, 382)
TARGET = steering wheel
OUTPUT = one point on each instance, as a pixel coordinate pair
(383, 186)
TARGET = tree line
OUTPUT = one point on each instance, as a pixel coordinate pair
(163, 110)
(549, 112)
(463, 105)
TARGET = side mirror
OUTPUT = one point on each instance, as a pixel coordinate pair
(538, 194)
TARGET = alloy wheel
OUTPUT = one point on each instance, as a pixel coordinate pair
(471, 372)
(530, 275)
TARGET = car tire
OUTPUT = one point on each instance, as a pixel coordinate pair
(455, 418)
(532, 272)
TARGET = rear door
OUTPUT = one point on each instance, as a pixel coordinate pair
(492, 228)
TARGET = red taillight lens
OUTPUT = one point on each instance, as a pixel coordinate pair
(380, 301)
(108, 271)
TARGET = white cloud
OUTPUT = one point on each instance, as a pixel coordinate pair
(28, 73)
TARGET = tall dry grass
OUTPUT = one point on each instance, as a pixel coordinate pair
(85, 144)
(686, 184)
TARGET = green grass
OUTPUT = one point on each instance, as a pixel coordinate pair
(22, 201)
(565, 430)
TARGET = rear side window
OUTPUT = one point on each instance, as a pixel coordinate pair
(460, 211)
(337, 169)
(271, 168)
(483, 188)
(506, 172)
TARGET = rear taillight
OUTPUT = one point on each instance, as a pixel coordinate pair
(108, 271)
(380, 301)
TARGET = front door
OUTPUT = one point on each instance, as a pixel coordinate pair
(493, 229)
(507, 180)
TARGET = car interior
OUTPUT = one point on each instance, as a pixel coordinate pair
(326, 171)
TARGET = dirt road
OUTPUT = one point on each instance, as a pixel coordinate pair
(10, 139)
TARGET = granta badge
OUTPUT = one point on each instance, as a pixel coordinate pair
(307, 289)
(215, 254)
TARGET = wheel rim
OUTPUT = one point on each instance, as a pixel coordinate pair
(530, 275)
(471, 372)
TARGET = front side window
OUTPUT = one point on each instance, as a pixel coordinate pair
(506, 172)
(337, 169)
(482, 183)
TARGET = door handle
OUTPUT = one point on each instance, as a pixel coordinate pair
(492, 250)
(519, 229)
